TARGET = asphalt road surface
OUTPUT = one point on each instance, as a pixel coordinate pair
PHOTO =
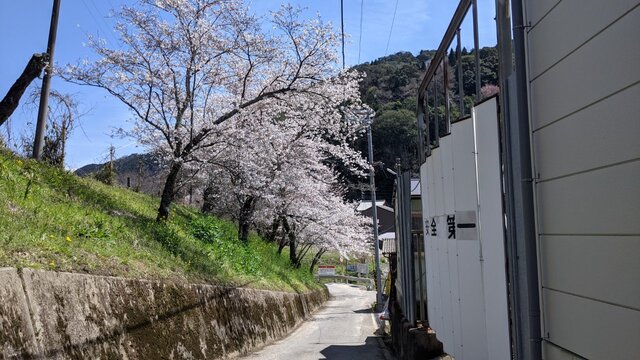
(342, 330)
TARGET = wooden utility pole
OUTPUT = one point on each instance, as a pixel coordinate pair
(112, 157)
(41, 125)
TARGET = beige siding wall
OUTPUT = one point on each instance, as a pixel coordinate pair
(584, 74)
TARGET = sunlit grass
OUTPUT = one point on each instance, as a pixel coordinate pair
(50, 219)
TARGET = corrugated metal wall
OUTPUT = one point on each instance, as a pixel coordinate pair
(584, 74)
(464, 239)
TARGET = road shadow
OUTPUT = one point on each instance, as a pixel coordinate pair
(363, 311)
(370, 351)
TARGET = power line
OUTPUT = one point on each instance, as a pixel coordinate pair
(99, 21)
(342, 28)
(360, 40)
(393, 20)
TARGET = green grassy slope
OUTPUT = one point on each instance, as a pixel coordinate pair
(50, 219)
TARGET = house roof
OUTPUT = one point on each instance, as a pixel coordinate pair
(388, 235)
(415, 187)
(366, 204)
(388, 242)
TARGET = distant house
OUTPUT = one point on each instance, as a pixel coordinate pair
(416, 208)
(388, 243)
(386, 217)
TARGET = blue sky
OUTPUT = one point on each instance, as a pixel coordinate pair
(24, 27)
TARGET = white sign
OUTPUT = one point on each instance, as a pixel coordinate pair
(326, 270)
(363, 268)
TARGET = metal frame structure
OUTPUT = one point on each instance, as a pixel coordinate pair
(519, 203)
(516, 156)
(404, 246)
(438, 61)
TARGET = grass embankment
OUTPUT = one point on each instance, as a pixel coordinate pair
(50, 219)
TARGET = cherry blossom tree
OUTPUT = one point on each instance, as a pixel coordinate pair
(283, 185)
(189, 69)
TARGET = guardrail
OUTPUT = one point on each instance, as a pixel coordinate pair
(368, 282)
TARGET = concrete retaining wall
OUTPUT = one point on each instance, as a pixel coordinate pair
(53, 315)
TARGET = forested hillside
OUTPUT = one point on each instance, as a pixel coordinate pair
(141, 172)
(390, 88)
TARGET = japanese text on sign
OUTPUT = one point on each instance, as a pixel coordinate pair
(451, 226)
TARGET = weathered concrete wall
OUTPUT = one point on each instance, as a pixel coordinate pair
(17, 339)
(55, 315)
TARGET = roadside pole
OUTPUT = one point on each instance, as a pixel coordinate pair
(41, 125)
(374, 211)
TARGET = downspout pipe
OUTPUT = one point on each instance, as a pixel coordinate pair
(522, 201)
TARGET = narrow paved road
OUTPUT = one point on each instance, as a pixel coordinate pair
(342, 330)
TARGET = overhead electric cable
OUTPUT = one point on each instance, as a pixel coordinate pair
(342, 28)
(393, 20)
(99, 21)
(360, 40)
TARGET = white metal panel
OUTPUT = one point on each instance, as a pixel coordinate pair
(435, 303)
(585, 119)
(467, 303)
(552, 352)
(437, 211)
(473, 333)
(446, 145)
(605, 268)
(472, 311)
(441, 262)
(423, 187)
(605, 133)
(603, 201)
(570, 25)
(598, 69)
(445, 275)
(426, 182)
(491, 220)
(538, 9)
(591, 329)
(463, 158)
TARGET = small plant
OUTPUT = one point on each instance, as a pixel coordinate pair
(205, 230)
(97, 230)
(29, 173)
(168, 236)
(107, 174)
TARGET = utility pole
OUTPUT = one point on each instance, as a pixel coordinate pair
(374, 211)
(41, 126)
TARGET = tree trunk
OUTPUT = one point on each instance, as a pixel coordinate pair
(169, 191)
(31, 71)
(315, 259)
(292, 251)
(271, 235)
(244, 220)
(292, 242)
(282, 243)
